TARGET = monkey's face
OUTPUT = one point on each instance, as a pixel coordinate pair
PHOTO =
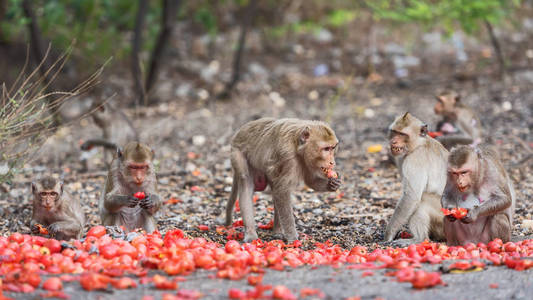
(445, 105)
(137, 172)
(48, 199)
(398, 143)
(461, 177)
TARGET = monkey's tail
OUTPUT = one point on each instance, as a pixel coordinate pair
(89, 144)
(231, 201)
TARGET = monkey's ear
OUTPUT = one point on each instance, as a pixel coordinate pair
(304, 136)
(119, 152)
(60, 187)
(405, 116)
(424, 130)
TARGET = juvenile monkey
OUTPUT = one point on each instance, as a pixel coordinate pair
(460, 124)
(55, 210)
(280, 154)
(422, 165)
(131, 171)
(478, 182)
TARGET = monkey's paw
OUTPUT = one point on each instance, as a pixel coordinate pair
(402, 243)
(334, 183)
(132, 201)
(147, 203)
(250, 237)
(35, 229)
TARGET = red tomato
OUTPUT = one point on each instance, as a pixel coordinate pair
(460, 213)
(203, 227)
(282, 292)
(97, 231)
(232, 246)
(109, 251)
(139, 195)
(332, 174)
(94, 281)
(254, 280)
(236, 294)
(53, 245)
(53, 284)
(162, 283)
(124, 283)
(16, 237)
(446, 211)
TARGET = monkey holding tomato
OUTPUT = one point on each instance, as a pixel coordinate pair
(477, 182)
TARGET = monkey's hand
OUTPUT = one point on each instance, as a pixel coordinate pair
(471, 216)
(35, 229)
(150, 203)
(147, 202)
(334, 183)
(451, 218)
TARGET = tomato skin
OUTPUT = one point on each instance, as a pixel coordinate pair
(97, 231)
(234, 293)
(139, 195)
(53, 245)
(53, 284)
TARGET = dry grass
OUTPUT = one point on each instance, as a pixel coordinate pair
(29, 112)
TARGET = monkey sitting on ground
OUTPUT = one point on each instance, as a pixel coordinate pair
(280, 154)
(55, 210)
(478, 182)
(460, 125)
(131, 171)
(422, 165)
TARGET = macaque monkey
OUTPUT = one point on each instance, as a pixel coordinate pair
(460, 125)
(280, 154)
(478, 182)
(422, 165)
(131, 171)
(54, 211)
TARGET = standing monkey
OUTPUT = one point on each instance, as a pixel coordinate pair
(132, 171)
(460, 124)
(55, 210)
(422, 166)
(478, 182)
(280, 153)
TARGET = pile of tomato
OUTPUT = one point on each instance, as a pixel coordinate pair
(99, 262)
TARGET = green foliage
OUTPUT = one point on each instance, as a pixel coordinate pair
(98, 26)
(466, 14)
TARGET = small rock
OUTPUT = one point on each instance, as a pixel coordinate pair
(198, 140)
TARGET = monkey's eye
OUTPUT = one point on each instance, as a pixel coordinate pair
(464, 172)
(328, 149)
(54, 194)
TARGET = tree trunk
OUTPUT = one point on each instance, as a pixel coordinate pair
(136, 47)
(497, 48)
(170, 10)
(37, 48)
(237, 58)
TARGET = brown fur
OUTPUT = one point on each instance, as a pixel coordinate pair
(283, 152)
(117, 204)
(422, 165)
(65, 219)
(462, 117)
(490, 200)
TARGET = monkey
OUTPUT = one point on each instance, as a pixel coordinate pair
(280, 153)
(460, 125)
(477, 181)
(422, 165)
(131, 171)
(55, 210)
